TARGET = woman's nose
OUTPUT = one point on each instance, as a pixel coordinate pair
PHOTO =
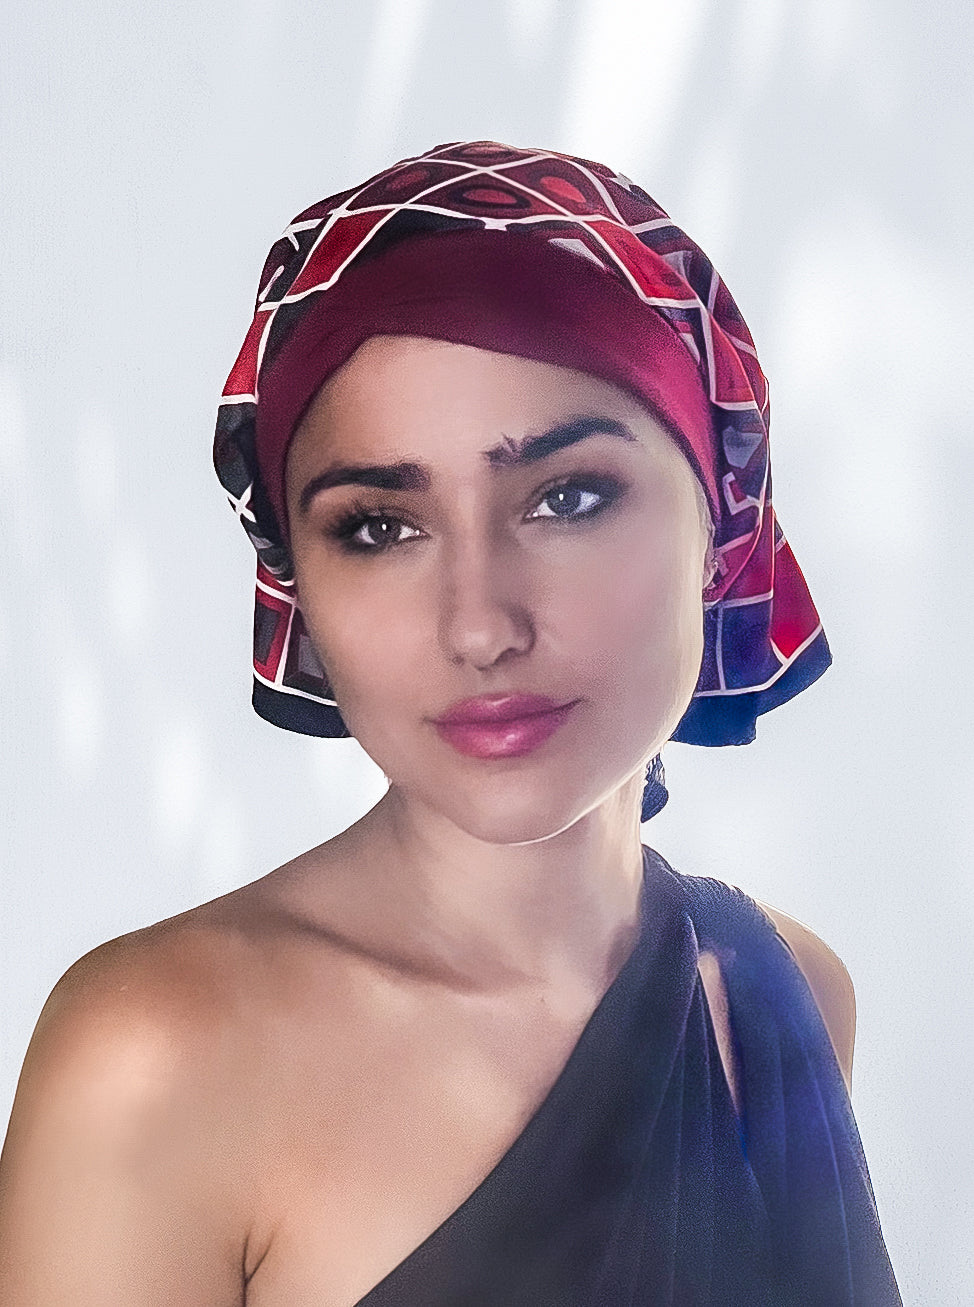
(485, 614)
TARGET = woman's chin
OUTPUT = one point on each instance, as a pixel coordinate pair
(500, 829)
(522, 813)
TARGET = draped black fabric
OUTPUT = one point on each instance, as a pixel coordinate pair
(636, 1185)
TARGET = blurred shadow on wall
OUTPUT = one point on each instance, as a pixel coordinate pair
(813, 152)
(802, 148)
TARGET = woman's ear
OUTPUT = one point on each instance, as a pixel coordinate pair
(709, 564)
(711, 569)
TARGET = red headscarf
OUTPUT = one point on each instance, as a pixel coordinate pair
(554, 258)
(481, 288)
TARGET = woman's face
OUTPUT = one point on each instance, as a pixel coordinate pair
(574, 571)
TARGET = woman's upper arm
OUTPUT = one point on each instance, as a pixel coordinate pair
(110, 1191)
(829, 981)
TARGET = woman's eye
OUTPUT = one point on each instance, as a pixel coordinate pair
(372, 532)
(378, 531)
(570, 500)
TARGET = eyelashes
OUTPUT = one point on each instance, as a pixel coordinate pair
(352, 532)
(356, 530)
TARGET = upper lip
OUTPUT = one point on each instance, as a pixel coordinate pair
(499, 708)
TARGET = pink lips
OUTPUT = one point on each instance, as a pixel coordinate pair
(502, 726)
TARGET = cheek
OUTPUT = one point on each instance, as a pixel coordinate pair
(638, 605)
(366, 632)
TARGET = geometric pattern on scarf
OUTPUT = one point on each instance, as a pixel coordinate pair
(763, 640)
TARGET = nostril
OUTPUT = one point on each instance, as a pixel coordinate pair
(482, 631)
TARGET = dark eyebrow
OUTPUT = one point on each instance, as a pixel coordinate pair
(515, 453)
(384, 476)
(509, 453)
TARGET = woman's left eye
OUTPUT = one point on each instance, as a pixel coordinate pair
(573, 499)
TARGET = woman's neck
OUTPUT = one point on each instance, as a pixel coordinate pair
(492, 917)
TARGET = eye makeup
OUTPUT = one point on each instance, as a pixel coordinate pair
(350, 529)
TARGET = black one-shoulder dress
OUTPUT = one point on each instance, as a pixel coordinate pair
(635, 1184)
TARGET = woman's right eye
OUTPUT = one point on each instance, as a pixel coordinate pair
(372, 532)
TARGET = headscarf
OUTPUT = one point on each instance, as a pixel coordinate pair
(763, 640)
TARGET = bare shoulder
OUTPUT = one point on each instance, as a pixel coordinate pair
(829, 981)
(115, 1177)
(164, 1012)
(137, 1012)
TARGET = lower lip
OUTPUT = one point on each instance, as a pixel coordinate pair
(503, 739)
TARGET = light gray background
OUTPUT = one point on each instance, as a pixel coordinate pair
(819, 151)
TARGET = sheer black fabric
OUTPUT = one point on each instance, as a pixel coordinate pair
(636, 1185)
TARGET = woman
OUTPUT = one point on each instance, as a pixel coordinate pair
(499, 435)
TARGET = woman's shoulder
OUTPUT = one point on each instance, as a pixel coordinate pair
(164, 1069)
(187, 1000)
(119, 1124)
(728, 919)
(134, 1015)
(173, 988)
(827, 978)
